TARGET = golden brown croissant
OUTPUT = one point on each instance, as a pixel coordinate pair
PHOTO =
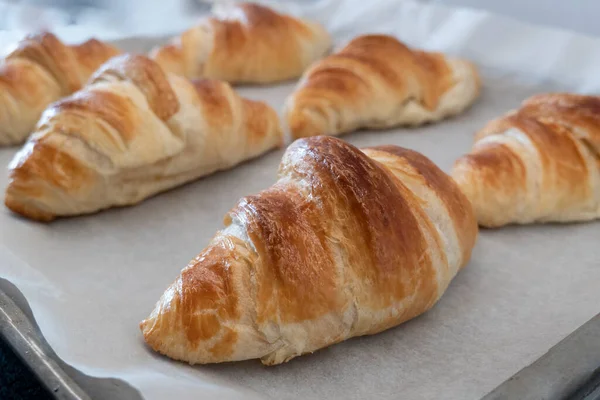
(247, 43)
(540, 163)
(38, 72)
(346, 243)
(375, 81)
(132, 132)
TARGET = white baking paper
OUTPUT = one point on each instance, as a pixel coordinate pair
(90, 280)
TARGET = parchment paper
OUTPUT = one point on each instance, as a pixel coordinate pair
(90, 280)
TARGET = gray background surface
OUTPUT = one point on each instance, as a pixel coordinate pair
(576, 15)
(144, 16)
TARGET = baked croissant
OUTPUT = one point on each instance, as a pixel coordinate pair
(540, 163)
(38, 72)
(375, 81)
(346, 243)
(245, 43)
(132, 132)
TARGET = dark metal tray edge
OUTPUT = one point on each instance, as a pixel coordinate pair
(569, 370)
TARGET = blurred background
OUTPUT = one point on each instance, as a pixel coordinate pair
(123, 17)
(128, 17)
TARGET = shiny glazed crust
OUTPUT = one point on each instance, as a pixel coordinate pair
(346, 243)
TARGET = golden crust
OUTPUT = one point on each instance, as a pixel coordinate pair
(580, 113)
(20, 78)
(458, 206)
(47, 50)
(539, 163)
(249, 43)
(115, 110)
(91, 54)
(293, 262)
(44, 166)
(214, 95)
(342, 245)
(369, 81)
(362, 194)
(134, 131)
(147, 76)
(38, 72)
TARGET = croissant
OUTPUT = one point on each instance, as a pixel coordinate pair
(376, 82)
(346, 243)
(245, 43)
(38, 72)
(540, 163)
(132, 132)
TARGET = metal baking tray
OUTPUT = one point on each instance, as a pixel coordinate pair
(19, 329)
(570, 370)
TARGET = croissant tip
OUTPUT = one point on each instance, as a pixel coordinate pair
(147, 324)
(302, 125)
(13, 204)
(147, 328)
